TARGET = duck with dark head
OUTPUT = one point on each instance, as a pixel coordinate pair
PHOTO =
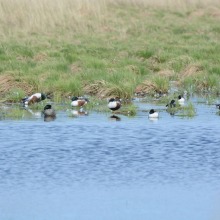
(79, 102)
(114, 105)
(153, 114)
(171, 104)
(49, 111)
(37, 97)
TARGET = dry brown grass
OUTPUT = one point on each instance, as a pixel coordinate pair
(103, 89)
(133, 69)
(165, 73)
(8, 83)
(190, 70)
(146, 86)
(47, 15)
(76, 67)
(94, 88)
(210, 11)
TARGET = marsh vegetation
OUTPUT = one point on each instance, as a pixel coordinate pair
(108, 48)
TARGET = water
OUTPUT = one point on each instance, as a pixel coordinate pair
(95, 167)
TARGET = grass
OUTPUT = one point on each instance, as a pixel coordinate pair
(107, 48)
(15, 113)
(130, 110)
(188, 111)
(15, 95)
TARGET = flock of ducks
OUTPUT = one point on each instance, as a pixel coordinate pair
(49, 111)
(113, 104)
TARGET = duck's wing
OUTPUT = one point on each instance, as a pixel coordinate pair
(33, 100)
(81, 103)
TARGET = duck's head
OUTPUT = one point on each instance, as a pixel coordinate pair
(47, 107)
(111, 100)
(172, 102)
(179, 97)
(151, 111)
(43, 96)
(74, 98)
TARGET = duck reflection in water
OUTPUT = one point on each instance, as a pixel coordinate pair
(49, 118)
(153, 119)
(79, 113)
(114, 118)
(34, 113)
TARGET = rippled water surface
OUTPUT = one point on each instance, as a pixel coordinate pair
(97, 167)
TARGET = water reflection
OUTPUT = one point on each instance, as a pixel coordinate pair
(114, 118)
(153, 119)
(35, 113)
(49, 118)
(79, 113)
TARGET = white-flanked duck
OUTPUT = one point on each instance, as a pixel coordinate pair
(171, 104)
(181, 100)
(114, 105)
(153, 114)
(79, 102)
(49, 111)
(218, 106)
(37, 97)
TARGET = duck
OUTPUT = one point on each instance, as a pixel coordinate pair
(171, 104)
(49, 111)
(153, 114)
(181, 99)
(114, 105)
(79, 102)
(218, 106)
(37, 97)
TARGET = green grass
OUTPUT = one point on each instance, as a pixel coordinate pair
(188, 111)
(130, 109)
(124, 50)
(15, 95)
(16, 112)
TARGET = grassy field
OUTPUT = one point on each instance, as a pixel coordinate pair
(108, 48)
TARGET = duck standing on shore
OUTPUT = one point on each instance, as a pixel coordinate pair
(49, 111)
(79, 102)
(37, 97)
(114, 105)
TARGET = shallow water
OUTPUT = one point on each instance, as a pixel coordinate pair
(100, 167)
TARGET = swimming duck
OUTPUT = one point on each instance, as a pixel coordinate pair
(79, 102)
(49, 111)
(218, 106)
(114, 105)
(153, 114)
(181, 99)
(171, 104)
(37, 97)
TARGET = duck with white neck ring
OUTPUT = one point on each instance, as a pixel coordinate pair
(153, 114)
